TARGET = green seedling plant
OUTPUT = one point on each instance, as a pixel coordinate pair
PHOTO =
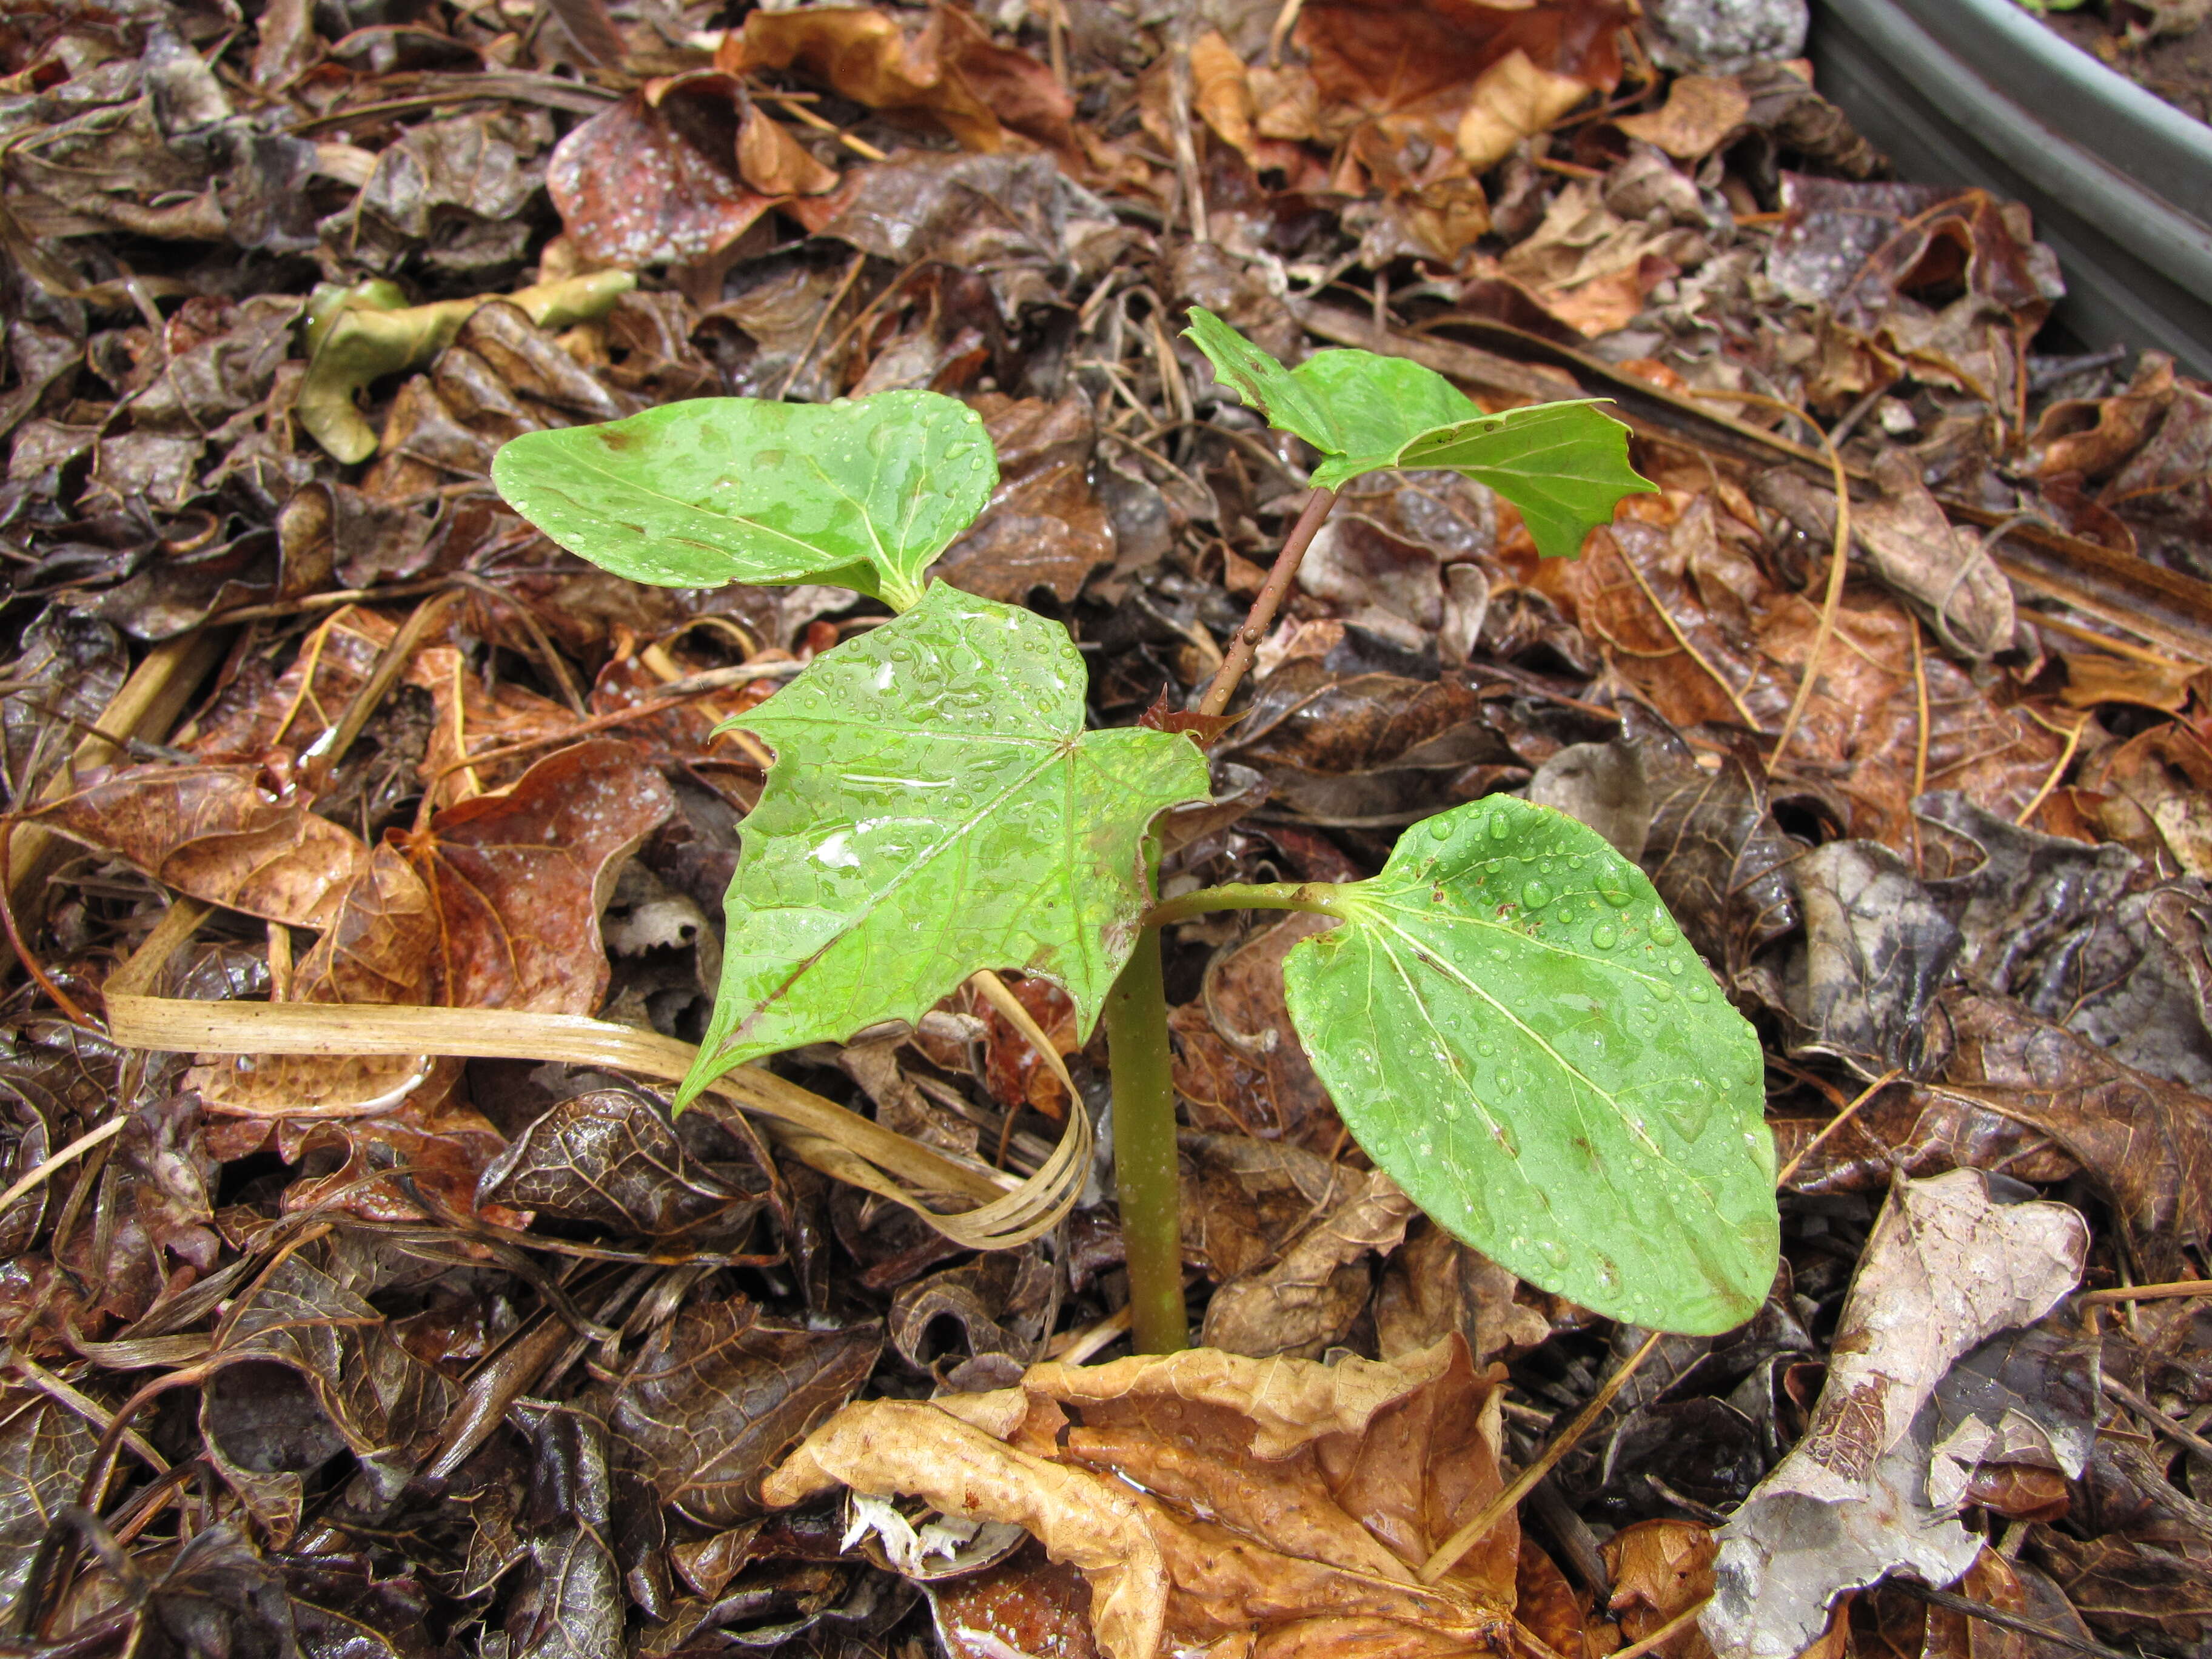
(1508, 1019)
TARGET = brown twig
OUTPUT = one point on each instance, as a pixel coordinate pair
(1564, 1442)
(1238, 659)
(1666, 1632)
(1837, 1122)
(2180, 1434)
(2003, 1620)
(2145, 1292)
(59, 998)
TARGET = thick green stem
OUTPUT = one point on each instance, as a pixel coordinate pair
(1319, 896)
(1145, 1170)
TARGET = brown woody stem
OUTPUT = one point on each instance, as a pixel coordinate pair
(1238, 659)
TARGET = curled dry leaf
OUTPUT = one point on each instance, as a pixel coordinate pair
(1221, 92)
(949, 70)
(1947, 1267)
(774, 163)
(1306, 1300)
(518, 880)
(1513, 100)
(1206, 1497)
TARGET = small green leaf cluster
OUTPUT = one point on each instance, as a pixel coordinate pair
(1508, 1019)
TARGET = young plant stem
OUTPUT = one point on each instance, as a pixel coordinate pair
(1318, 896)
(1145, 1172)
(1137, 1015)
(1237, 660)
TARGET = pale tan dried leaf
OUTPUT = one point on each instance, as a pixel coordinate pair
(1220, 92)
(1312, 1547)
(1083, 1519)
(1292, 1403)
(774, 163)
(1513, 100)
(1700, 111)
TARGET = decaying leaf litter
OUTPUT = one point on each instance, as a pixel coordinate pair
(476, 1349)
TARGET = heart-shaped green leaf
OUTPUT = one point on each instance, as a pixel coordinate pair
(1565, 465)
(863, 492)
(936, 807)
(1513, 1026)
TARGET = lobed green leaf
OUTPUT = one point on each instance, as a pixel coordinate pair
(1514, 1028)
(863, 492)
(936, 807)
(1564, 465)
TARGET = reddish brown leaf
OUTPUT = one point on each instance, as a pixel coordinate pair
(1028, 1603)
(648, 182)
(518, 880)
(1238, 1061)
(219, 834)
(1044, 526)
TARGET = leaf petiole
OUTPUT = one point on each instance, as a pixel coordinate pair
(1322, 898)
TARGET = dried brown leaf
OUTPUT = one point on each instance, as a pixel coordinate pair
(2147, 1142)
(218, 833)
(1700, 111)
(1946, 1267)
(1206, 1497)
(719, 1395)
(645, 183)
(518, 878)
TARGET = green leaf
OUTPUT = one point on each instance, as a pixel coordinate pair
(1513, 1027)
(863, 492)
(936, 807)
(1359, 409)
(1565, 465)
